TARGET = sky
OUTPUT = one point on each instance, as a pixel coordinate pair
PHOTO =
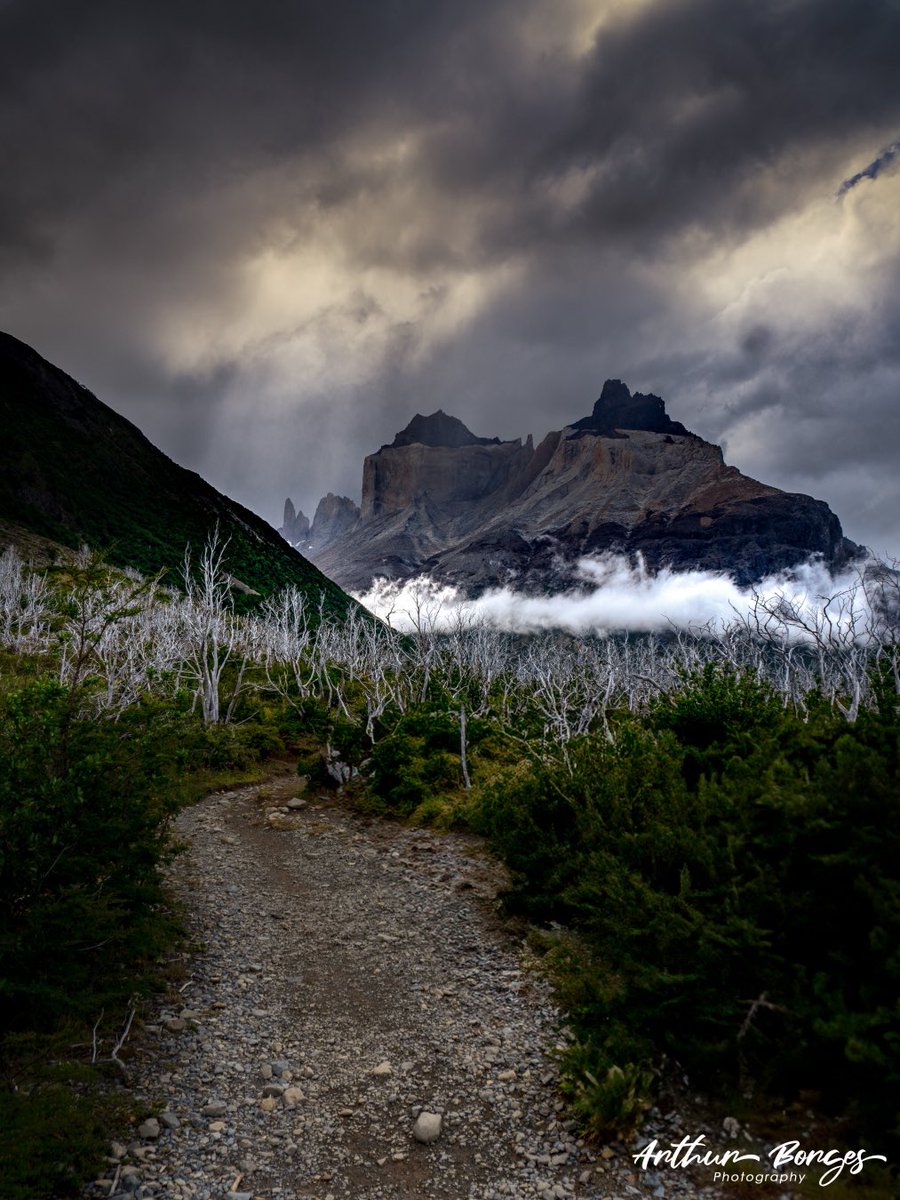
(270, 233)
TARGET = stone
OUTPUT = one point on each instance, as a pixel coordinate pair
(295, 526)
(273, 1089)
(297, 804)
(170, 1120)
(383, 1069)
(291, 1097)
(280, 821)
(334, 516)
(626, 479)
(149, 1128)
(118, 1150)
(427, 1128)
(176, 1025)
(215, 1108)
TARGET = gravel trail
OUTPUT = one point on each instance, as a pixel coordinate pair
(353, 974)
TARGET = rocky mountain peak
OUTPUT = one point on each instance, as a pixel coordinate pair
(295, 527)
(617, 408)
(334, 516)
(480, 513)
(438, 429)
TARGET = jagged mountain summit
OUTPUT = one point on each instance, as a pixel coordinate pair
(73, 471)
(479, 512)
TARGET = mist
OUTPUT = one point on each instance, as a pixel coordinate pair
(615, 595)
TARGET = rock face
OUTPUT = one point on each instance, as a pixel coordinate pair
(334, 516)
(618, 409)
(480, 512)
(295, 528)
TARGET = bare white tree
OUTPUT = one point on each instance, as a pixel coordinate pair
(209, 628)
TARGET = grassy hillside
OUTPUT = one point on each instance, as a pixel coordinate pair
(74, 471)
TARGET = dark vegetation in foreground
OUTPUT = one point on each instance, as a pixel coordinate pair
(704, 831)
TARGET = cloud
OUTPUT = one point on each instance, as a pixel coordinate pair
(615, 596)
(269, 234)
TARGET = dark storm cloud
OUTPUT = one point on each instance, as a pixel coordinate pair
(678, 108)
(691, 102)
(487, 207)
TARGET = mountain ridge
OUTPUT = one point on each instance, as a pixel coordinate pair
(481, 512)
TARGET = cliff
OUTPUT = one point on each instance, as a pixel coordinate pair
(480, 512)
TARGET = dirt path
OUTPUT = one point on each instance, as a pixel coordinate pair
(354, 974)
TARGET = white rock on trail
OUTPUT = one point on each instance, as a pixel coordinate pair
(427, 1128)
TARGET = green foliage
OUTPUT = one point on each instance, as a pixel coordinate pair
(732, 873)
(84, 808)
(608, 1100)
(51, 1141)
(417, 760)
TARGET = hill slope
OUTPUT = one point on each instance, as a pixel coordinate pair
(74, 471)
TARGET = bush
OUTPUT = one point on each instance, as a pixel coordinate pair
(417, 760)
(50, 1142)
(84, 811)
(732, 873)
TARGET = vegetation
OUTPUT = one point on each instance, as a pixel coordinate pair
(703, 830)
(731, 872)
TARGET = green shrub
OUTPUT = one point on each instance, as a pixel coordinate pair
(51, 1141)
(733, 874)
(417, 760)
(84, 811)
(608, 1100)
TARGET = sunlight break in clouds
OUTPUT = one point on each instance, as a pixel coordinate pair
(618, 597)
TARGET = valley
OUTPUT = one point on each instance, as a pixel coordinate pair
(638, 848)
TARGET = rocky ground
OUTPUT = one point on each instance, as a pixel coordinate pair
(357, 1023)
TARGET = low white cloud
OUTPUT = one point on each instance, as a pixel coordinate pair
(615, 595)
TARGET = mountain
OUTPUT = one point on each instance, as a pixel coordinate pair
(73, 471)
(480, 512)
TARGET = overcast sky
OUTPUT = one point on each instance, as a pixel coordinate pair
(271, 232)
